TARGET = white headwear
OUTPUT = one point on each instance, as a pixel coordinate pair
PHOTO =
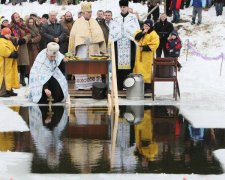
(52, 49)
(2, 20)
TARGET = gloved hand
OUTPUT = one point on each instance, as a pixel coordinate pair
(14, 55)
(21, 41)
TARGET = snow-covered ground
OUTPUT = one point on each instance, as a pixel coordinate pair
(201, 82)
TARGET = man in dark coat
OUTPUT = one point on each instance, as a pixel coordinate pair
(101, 21)
(53, 31)
(67, 24)
(163, 29)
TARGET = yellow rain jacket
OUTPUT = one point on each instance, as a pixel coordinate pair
(144, 59)
(8, 66)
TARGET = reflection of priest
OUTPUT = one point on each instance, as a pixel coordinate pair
(122, 29)
(46, 77)
(86, 38)
(46, 128)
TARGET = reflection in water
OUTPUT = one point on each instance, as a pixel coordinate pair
(6, 141)
(46, 128)
(147, 139)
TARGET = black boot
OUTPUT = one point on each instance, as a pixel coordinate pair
(11, 93)
(148, 87)
(22, 79)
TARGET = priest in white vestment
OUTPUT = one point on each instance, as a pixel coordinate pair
(86, 38)
(121, 31)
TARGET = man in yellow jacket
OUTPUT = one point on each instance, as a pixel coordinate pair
(8, 65)
(147, 43)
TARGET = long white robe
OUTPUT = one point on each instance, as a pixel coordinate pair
(41, 71)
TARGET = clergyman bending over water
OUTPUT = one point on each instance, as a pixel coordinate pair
(47, 78)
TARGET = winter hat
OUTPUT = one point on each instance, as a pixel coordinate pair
(174, 33)
(45, 16)
(149, 22)
(86, 6)
(6, 31)
(52, 48)
(2, 20)
(123, 2)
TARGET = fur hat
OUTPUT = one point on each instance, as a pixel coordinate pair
(86, 6)
(6, 31)
(149, 22)
(2, 20)
(52, 48)
(123, 2)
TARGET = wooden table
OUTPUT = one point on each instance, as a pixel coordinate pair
(86, 66)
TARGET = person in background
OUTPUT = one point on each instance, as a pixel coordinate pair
(8, 65)
(173, 46)
(219, 7)
(108, 17)
(168, 8)
(80, 14)
(175, 7)
(148, 42)
(62, 18)
(53, 31)
(44, 20)
(197, 9)
(46, 76)
(21, 35)
(33, 44)
(163, 28)
(67, 24)
(101, 21)
(152, 4)
(4, 23)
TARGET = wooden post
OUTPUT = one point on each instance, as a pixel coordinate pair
(221, 66)
(114, 90)
(114, 137)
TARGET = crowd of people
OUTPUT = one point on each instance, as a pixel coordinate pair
(37, 46)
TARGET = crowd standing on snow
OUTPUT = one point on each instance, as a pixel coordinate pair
(24, 39)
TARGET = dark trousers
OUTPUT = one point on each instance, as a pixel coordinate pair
(55, 88)
(168, 10)
(161, 48)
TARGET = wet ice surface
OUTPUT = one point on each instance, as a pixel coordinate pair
(149, 139)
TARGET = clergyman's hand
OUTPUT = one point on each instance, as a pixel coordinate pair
(65, 59)
(48, 92)
(56, 40)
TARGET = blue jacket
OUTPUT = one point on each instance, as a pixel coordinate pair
(198, 3)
